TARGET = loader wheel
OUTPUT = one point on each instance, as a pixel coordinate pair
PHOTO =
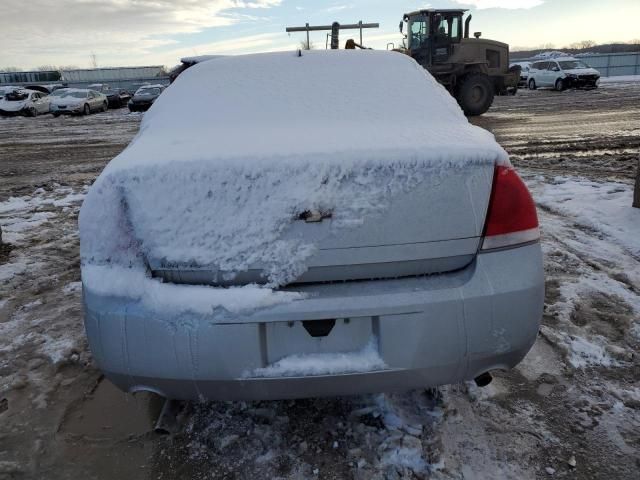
(475, 94)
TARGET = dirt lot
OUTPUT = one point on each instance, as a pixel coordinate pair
(576, 397)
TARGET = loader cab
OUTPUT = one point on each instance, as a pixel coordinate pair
(432, 34)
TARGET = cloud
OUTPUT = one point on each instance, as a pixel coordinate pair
(67, 31)
(507, 4)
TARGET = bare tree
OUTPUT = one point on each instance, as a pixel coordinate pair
(636, 190)
(583, 44)
(9, 69)
(46, 68)
(307, 46)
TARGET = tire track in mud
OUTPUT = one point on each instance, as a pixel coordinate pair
(588, 133)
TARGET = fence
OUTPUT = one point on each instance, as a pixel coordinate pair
(608, 64)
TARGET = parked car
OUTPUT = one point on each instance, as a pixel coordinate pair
(117, 97)
(288, 238)
(561, 73)
(524, 72)
(79, 101)
(24, 102)
(144, 97)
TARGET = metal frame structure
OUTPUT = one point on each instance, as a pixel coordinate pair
(334, 29)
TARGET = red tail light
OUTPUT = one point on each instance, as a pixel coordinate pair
(512, 218)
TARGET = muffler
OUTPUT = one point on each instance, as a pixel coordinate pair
(483, 380)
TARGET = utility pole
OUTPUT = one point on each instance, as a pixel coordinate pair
(94, 60)
(334, 29)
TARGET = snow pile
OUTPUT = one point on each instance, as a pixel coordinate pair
(236, 149)
(366, 360)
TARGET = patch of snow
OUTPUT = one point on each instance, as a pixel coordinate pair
(71, 288)
(584, 353)
(366, 360)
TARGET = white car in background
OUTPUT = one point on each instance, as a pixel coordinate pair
(524, 72)
(24, 102)
(561, 73)
(79, 101)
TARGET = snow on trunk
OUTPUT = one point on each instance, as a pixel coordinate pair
(236, 149)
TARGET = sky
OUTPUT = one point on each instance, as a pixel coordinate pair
(160, 32)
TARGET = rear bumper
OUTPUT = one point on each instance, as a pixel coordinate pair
(430, 331)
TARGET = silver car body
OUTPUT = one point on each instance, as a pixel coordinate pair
(441, 303)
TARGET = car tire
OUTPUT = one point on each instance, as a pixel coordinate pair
(105, 106)
(87, 109)
(559, 86)
(55, 115)
(532, 84)
(33, 112)
(475, 94)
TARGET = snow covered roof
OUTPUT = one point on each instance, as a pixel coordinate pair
(341, 106)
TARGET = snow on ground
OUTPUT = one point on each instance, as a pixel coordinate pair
(593, 234)
(32, 225)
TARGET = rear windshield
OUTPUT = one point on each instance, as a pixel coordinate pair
(573, 65)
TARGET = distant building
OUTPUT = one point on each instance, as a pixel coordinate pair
(106, 75)
(22, 78)
(117, 77)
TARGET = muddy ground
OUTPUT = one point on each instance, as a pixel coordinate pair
(576, 397)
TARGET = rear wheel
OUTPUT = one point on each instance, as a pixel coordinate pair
(105, 106)
(532, 84)
(33, 112)
(475, 94)
(87, 109)
(560, 85)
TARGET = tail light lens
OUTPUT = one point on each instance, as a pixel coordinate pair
(512, 218)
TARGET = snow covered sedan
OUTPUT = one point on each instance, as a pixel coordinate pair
(23, 102)
(144, 97)
(562, 73)
(79, 101)
(290, 225)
